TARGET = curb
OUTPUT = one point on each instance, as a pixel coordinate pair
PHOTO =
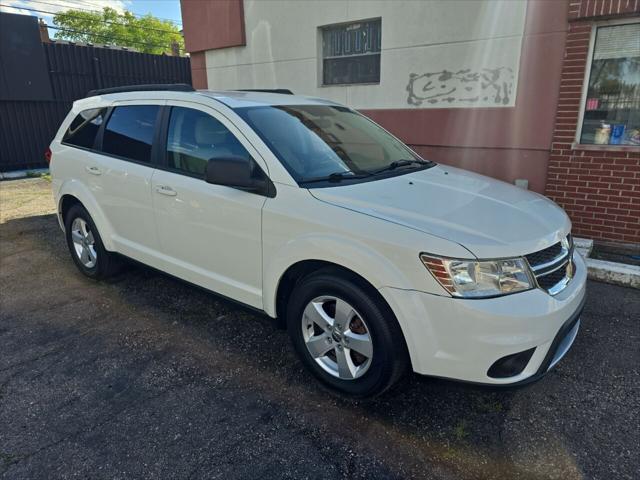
(16, 174)
(608, 272)
(615, 273)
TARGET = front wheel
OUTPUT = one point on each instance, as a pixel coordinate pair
(346, 335)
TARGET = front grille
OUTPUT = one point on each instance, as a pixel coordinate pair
(553, 267)
(551, 279)
(544, 256)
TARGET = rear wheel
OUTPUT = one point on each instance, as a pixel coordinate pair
(85, 245)
(346, 335)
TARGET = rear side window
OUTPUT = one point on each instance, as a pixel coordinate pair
(129, 132)
(195, 137)
(83, 130)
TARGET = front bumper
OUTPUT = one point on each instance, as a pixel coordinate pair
(461, 339)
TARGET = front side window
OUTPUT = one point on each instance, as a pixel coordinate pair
(612, 106)
(351, 53)
(316, 142)
(129, 132)
(195, 137)
(83, 130)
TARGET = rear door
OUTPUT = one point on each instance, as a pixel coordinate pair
(211, 234)
(124, 171)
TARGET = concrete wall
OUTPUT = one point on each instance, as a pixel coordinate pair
(476, 37)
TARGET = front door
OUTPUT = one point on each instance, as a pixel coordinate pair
(210, 235)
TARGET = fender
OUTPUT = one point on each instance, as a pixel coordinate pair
(83, 194)
(349, 253)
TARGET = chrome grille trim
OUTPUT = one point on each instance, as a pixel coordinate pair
(553, 264)
(563, 260)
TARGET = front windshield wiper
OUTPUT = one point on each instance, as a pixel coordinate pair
(402, 163)
(337, 177)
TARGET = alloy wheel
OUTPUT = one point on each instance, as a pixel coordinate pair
(337, 337)
(84, 242)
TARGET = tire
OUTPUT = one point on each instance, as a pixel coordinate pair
(95, 261)
(343, 367)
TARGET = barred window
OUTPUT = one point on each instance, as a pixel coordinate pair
(612, 105)
(351, 53)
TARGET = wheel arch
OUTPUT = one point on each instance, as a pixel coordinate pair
(73, 192)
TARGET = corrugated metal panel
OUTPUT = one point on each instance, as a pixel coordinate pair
(74, 70)
(26, 130)
(27, 127)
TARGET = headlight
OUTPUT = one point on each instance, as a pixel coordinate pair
(478, 279)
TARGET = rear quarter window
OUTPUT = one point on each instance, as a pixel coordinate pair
(83, 130)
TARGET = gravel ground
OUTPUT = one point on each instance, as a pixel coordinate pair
(145, 377)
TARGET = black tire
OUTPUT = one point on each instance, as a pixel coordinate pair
(390, 359)
(106, 263)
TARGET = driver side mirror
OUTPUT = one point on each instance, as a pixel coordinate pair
(239, 172)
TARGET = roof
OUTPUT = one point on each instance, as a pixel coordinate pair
(239, 99)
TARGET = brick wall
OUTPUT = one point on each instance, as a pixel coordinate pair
(598, 186)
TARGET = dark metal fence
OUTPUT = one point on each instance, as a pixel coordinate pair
(28, 126)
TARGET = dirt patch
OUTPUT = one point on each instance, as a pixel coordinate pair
(25, 198)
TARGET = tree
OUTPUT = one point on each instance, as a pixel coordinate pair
(146, 34)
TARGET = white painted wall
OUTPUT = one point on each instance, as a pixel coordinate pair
(479, 37)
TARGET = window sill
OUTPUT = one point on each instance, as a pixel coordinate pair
(605, 148)
(326, 85)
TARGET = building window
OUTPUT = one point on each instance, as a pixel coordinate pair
(612, 104)
(351, 53)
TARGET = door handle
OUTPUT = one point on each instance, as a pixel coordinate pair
(166, 190)
(93, 170)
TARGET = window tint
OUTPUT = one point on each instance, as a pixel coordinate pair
(194, 137)
(84, 128)
(129, 132)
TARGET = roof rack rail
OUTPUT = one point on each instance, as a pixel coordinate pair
(171, 87)
(283, 91)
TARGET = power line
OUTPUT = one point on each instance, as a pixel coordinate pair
(84, 2)
(112, 37)
(176, 23)
(101, 21)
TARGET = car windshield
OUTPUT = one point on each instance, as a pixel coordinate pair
(320, 144)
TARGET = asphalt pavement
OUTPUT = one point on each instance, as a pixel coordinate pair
(143, 376)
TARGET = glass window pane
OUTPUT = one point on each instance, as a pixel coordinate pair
(351, 53)
(612, 108)
(364, 69)
(129, 132)
(83, 130)
(194, 137)
(317, 140)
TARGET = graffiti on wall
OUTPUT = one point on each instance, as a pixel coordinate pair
(493, 86)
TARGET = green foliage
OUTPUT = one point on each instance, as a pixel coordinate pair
(146, 34)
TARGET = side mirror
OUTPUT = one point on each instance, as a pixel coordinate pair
(238, 172)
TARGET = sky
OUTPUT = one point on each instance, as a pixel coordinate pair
(165, 9)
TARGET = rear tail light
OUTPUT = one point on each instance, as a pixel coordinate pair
(48, 156)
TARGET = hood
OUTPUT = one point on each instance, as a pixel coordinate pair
(490, 218)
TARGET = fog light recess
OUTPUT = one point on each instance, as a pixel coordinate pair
(511, 365)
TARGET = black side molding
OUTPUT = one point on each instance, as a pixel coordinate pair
(165, 87)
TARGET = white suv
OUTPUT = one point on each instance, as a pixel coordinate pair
(377, 260)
